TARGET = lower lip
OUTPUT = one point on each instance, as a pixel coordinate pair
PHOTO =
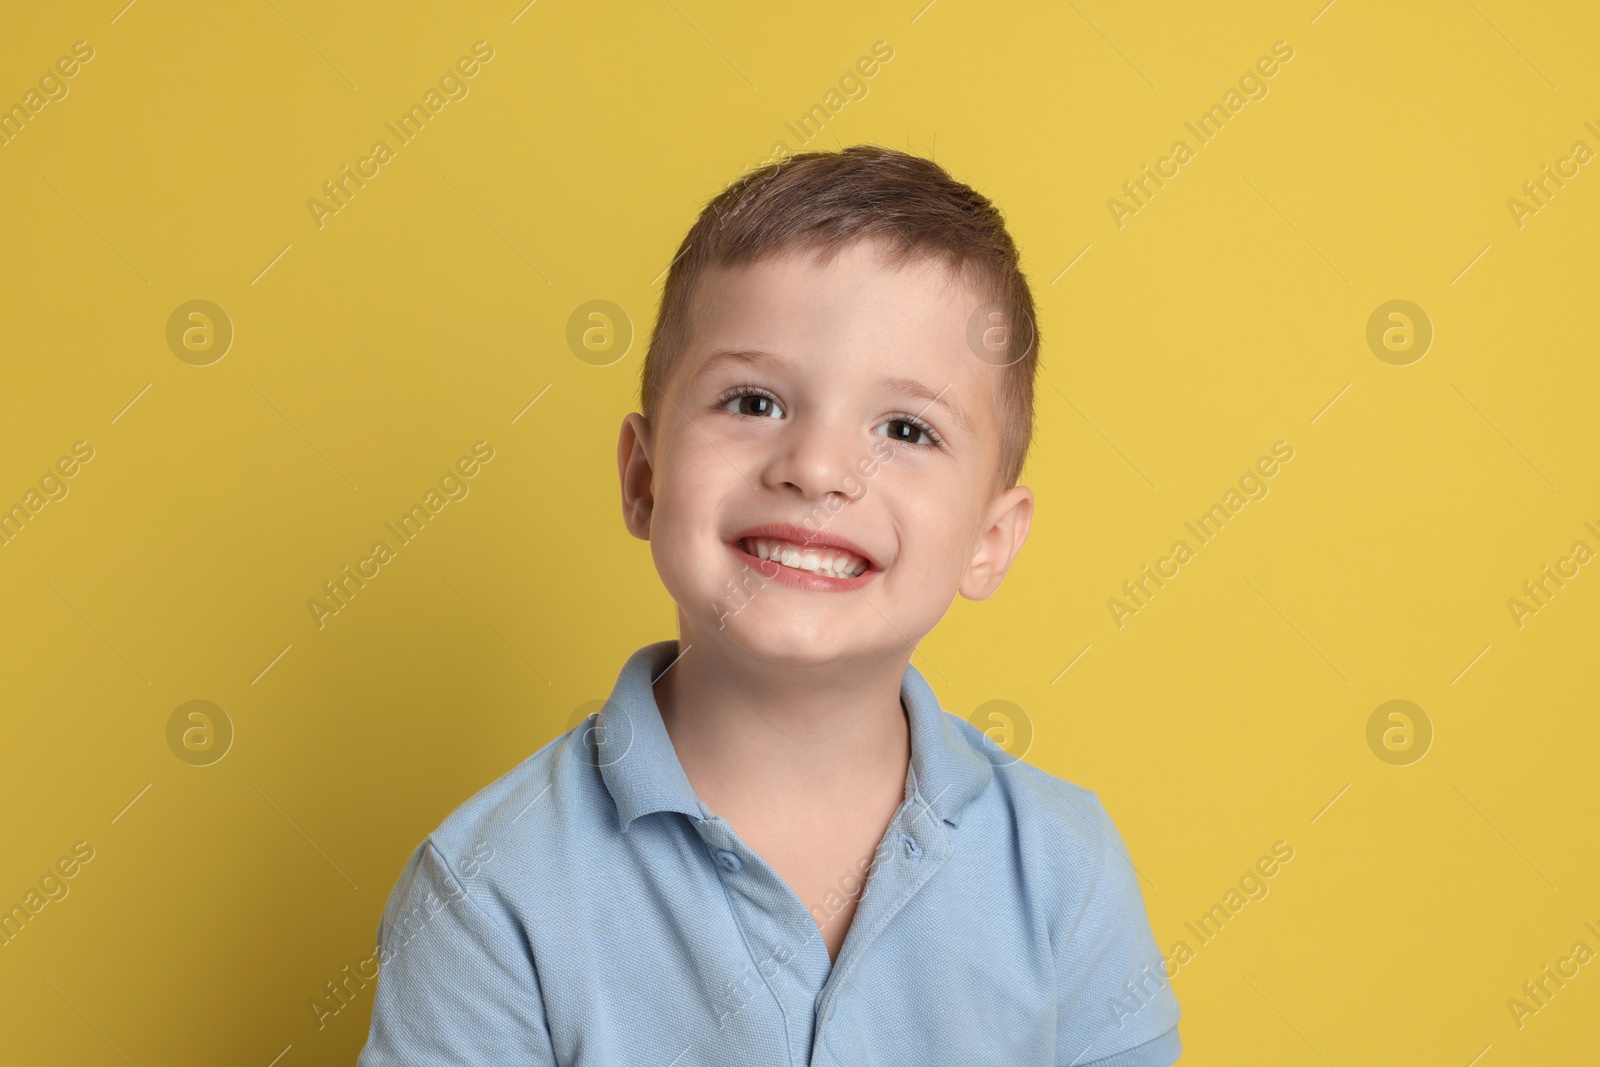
(819, 583)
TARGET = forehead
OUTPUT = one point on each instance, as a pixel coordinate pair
(858, 314)
(856, 278)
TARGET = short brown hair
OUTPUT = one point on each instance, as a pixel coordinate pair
(822, 201)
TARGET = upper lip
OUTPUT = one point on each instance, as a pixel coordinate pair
(799, 535)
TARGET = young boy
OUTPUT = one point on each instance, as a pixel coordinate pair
(773, 846)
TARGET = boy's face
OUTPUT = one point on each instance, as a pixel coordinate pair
(805, 397)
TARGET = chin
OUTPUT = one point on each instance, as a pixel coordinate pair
(825, 641)
(794, 641)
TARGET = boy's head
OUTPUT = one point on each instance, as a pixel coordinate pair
(821, 201)
(845, 351)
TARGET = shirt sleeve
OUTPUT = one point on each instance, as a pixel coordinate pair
(1116, 1005)
(455, 987)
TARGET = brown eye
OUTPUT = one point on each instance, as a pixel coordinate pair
(755, 405)
(906, 432)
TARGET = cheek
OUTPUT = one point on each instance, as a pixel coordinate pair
(931, 512)
(691, 483)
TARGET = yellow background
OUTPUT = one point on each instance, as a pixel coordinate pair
(1227, 314)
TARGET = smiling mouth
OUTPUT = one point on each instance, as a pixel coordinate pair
(827, 562)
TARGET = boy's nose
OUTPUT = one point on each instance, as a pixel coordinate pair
(817, 459)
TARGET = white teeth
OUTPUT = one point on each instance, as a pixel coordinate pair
(828, 562)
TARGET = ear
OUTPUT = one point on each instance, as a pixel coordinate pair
(1006, 529)
(635, 471)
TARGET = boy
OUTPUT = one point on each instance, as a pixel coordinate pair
(773, 846)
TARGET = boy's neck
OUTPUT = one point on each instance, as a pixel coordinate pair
(750, 732)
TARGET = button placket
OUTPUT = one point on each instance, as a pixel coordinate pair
(784, 964)
(888, 890)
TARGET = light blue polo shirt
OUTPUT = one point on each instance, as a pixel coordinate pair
(588, 910)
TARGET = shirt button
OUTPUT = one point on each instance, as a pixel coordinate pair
(729, 860)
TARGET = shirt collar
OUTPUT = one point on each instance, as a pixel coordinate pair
(642, 772)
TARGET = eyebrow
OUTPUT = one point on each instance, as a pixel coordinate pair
(909, 387)
(915, 389)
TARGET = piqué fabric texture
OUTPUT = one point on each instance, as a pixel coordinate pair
(587, 910)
